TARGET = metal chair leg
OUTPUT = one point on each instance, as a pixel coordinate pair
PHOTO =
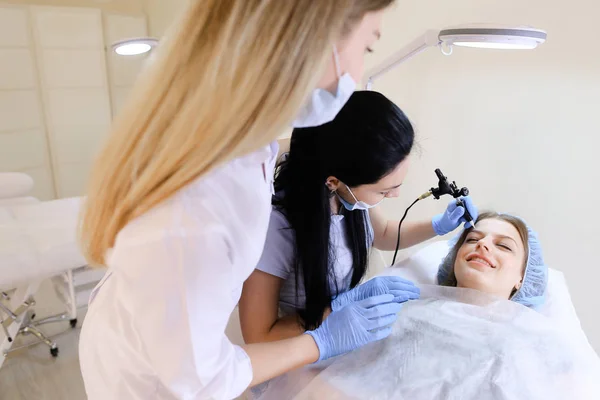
(51, 319)
(8, 312)
(12, 316)
(29, 328)
(6, 332)
(42, 338)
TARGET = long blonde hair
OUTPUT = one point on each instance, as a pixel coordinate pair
(227, 81)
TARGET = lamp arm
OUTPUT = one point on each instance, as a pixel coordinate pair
(428, 39)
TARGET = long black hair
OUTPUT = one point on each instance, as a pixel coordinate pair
(366, 141)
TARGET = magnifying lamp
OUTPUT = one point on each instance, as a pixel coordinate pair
(134, 46)
(478, 36)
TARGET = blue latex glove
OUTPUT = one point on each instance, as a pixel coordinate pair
(402, 289)
(453, 217)
(355, 325)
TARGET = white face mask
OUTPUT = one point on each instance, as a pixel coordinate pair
(323, 106)
(358, 205)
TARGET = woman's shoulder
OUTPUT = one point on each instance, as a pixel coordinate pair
(168, 221)
(278, 252)
(278, 219)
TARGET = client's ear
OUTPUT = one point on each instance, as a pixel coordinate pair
(332, 183)
(518, 285)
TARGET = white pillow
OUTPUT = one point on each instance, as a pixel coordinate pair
(17, 201)
(422, 268)
(5, 216)
(14, 184)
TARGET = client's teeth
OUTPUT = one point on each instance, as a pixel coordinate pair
(481, 260)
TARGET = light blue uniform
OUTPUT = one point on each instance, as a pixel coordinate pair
(278, 259)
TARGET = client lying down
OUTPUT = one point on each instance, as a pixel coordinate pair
(501, 257)
(477, 336)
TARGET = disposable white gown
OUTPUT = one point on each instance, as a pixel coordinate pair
(459, 344)
(155, 327)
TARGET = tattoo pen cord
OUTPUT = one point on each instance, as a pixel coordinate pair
(421, 197)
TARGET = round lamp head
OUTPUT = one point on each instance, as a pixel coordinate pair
(493, 37)
(132, 47)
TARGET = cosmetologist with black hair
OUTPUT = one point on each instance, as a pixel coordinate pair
(325, 220)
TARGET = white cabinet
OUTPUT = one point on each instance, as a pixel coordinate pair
(23, 139)
(71, 60)
(59, 88)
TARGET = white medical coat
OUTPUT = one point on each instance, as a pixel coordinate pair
(155, 328)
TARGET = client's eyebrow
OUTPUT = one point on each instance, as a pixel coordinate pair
(506, 237)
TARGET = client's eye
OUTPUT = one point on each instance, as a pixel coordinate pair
(504, 247)
(471, 240)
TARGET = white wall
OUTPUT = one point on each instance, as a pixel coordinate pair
(23, 140)
(162, 13)
(117, 6)
(520, 129)
(123, 71)
(75, 91)
(59, 87)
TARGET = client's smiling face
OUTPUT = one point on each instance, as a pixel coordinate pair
(491, 259)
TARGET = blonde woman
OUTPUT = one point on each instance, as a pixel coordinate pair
(179, 202)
